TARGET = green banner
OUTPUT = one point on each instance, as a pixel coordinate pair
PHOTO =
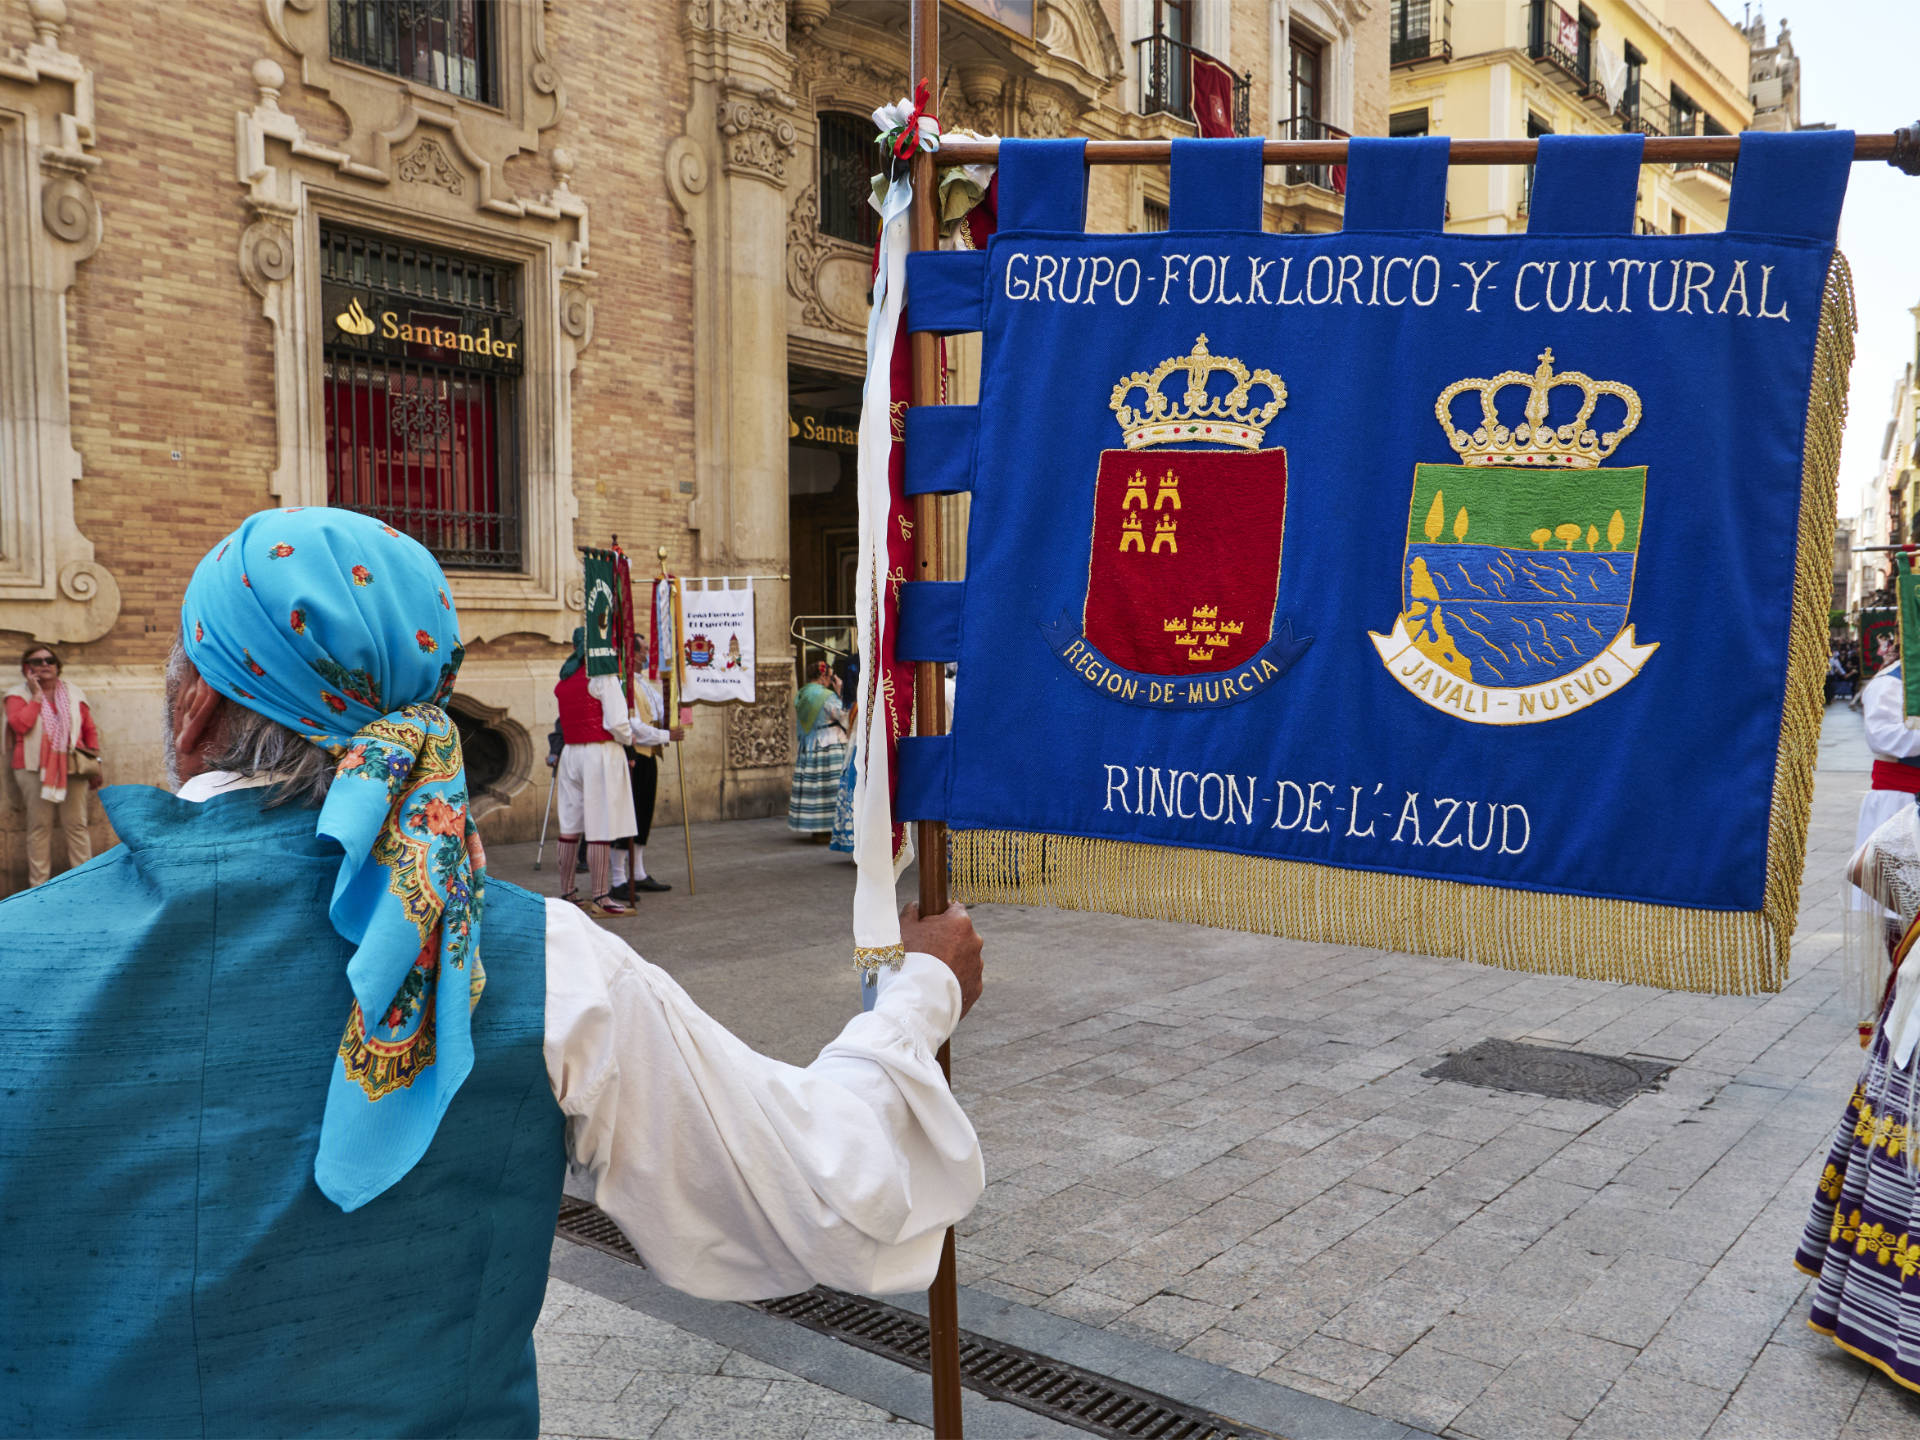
(602, 605)
(1907, 606)
(1879, 640)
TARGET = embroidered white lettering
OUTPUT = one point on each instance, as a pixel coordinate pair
(1348, 281)
(1313, 808)
(1194, 292)
(1520, 279)
(1167, 275)
(1766, 277)
(1313, 268)
(1026, 289)
(1479, 278)
(1697, 285)
(1626, 279)
(1256, 290)
(1386, 280)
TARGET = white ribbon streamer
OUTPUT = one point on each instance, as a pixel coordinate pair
(876, 924)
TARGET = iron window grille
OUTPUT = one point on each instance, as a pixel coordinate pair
(1420, 30)
(1154, 216)
(1166, 80)
(1311, 127)
(848, 160)
(420, 372)
(1692, 121)
(451, 45)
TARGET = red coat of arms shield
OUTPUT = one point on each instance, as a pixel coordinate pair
(1185, 571)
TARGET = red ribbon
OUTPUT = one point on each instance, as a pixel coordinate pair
(908, 139)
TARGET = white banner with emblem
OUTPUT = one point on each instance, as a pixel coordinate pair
(716, 641)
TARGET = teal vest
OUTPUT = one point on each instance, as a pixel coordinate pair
(167, 1265)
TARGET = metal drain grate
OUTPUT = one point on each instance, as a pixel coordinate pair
(1609, 1080)
(1080, 1398)
(590, 1225)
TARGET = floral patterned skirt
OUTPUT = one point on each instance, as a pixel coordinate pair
(843, 807)
(1862, 1240)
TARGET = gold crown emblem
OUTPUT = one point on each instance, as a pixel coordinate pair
(1533, 441)
(1219, 419)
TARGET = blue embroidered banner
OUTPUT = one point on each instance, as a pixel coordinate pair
(1457, 593)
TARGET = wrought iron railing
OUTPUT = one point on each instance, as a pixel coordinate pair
(1544, 44)
(1696, 122)
(1646, 112)
(1311, 127)
(1420, 30)
(448, 44)
(1166, 80)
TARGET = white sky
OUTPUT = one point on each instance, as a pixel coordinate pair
(1857, 71)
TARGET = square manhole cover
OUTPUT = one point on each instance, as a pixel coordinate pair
(1609, 1080)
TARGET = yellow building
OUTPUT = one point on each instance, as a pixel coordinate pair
(1512, 69)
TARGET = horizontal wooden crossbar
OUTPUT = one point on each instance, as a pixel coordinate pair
(1900, 149)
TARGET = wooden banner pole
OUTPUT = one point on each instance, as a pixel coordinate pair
(1900, 149)
(930, 686)
(667, 699)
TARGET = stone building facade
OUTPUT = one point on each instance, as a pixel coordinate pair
(518, 276)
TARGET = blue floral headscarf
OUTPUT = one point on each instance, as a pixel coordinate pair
(341, 628)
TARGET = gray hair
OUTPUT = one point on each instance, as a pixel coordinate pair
(251, 744)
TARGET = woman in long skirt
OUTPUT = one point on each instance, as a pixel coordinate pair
(820, 722)
(1862, 1241)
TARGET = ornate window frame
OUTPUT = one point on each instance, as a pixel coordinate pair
(432, 156)
(377, 104)
(50, 585)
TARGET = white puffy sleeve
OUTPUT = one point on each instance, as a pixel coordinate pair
(643, 733)
(613, 707)
(739, 1177)
(1883, 708)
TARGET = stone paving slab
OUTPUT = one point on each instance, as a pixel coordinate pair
(1223, 1145)
(614, 1373)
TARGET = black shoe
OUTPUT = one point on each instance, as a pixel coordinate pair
(648, 883)
(624, 893)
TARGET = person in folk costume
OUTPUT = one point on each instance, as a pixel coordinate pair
(643, 773)
(592, 788)
(820, 721)
(1871, 929)
(284, 1141)
(842, 841)
(1862, 1239)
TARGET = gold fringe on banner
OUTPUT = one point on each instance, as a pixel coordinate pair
(1671, 947)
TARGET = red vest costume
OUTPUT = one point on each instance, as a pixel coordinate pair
(580, 721)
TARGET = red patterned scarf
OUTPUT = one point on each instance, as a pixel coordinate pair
(56, 738)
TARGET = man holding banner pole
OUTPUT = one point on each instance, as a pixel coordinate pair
(591, 784)
(643, 756)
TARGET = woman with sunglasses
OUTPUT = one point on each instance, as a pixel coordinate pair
(47, 720)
